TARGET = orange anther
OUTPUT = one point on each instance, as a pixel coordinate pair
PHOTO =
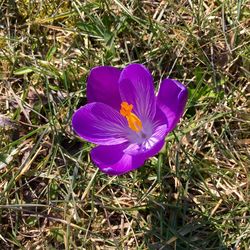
(133, 121)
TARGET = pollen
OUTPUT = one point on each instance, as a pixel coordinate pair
(133, 121)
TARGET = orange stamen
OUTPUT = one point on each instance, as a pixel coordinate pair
(133, 121)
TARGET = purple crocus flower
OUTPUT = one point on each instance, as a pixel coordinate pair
(125, 118)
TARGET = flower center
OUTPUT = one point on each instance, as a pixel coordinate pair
(133, 121)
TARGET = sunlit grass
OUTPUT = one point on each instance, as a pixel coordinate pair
(193, 195)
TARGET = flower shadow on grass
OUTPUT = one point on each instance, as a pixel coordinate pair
(175, 221)
(171, 230)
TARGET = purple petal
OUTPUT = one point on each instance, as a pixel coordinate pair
(99, 123)
(149, 149)
(172, 98)
(136, 87)
(102, 86)
(111, 159)
(154, 143)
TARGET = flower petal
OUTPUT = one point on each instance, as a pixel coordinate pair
(102, 86)
(99, 123)
(154, 142)
(136, 87)
(111, 159)
(172, 98)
